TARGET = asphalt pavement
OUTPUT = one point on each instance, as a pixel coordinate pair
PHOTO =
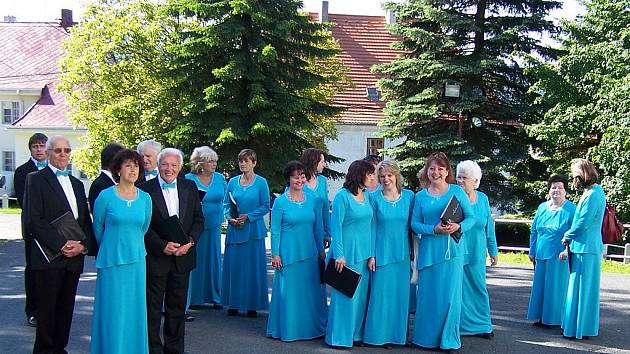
(214, 332)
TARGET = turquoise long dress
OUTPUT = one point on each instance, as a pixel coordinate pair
(119, 320)
(321, 192)
(581, 316)
(298, 302)
(478, 241)
(551, 275)
(388, 308)
(244, 282)
(353, 237)
(205, 279)
(440, 266)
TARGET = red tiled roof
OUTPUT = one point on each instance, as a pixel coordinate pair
(50, 110)
(29, 60)
(364, 42)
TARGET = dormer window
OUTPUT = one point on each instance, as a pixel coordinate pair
(372, 93)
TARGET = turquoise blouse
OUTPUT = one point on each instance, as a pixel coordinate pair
(393, 220)
(212, 203)
(548, 227)
(321, 192)
(296, 228)
(481, 238)
(436, 248)
(351, 227)
(119, 226)
(252, 200)
(586, 229)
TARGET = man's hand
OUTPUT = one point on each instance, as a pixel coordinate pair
(183, 249)
(171, 248)
(72, 249)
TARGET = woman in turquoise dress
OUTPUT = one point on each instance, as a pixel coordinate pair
(244, 282)
(388, 307)
(205, 279)
(122, 215)
(584, 238)
(551, 275)
(298, 301)
(440, 258)
(314, 161)
(478, 241)
(353, 237)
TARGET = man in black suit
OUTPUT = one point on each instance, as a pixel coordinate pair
(149, 150)
(37, 161)
(105, 179)
(50, 193)
(169, 263)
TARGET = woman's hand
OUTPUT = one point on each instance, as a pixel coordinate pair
(448, 229)
(565, 242)
(563, 255)
(372, 264)
(276, 262)
(233, 222)
(339, 264)
(494, 260)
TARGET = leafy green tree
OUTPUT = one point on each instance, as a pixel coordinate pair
(478, 45)
(253, 74)
(111, 76)
(587, 93)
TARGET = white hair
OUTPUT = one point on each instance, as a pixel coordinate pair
(151, 144)
(171, 151)
(53, 139)
(470, 169)
(201, 155)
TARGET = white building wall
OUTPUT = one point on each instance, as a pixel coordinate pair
(351, 145)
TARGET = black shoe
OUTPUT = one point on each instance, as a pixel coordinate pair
(336, 347)
(488, 335)
(252, 313)
(31, 321)
(451, 351)
(189, 318)
(232, 312)
(357, 343)
(217, 306)
(196, 307)
(387, 346)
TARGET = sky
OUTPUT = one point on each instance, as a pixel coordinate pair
(50, 10)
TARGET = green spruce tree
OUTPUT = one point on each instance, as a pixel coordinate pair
(476, 45)
(252, 74)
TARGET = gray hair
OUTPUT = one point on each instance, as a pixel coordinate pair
(151, 144)
(53, 139)
(170, 151)
(201, 155)
(470, 169)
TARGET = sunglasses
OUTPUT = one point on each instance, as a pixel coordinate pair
(60, 150)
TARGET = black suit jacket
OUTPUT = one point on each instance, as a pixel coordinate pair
(101, 183)
(19, 179)
(192, 220)
(46, 202)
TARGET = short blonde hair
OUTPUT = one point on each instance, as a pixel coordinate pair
(392, 167)
(201, 155)
(587, 172)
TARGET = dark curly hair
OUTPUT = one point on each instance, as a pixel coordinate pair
(120, 158)
(558, 178)
(310, 158)
(357, 172)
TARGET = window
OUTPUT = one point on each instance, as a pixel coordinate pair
(372, 93)
(8, 159)
(10, 111)
(374, 145)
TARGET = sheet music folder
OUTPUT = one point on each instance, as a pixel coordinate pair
(345, 282)
(173, 231)
(66, 226)
(453, 213)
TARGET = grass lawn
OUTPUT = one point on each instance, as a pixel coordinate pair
(522, 258)
(10, 211)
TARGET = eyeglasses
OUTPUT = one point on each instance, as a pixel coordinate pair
(60, 150)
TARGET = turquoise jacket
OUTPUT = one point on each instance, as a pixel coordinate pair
(352, 229)
(393, 221)
(481, 238)
(252, 200)
(548, 228)
(585, 233)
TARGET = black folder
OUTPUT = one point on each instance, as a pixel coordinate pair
(66, 226)
(453, 213)
(233, 207)
(202, 194)
(173, 231)
(345, 282)
(322, 269)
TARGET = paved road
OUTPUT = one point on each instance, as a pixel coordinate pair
(214, 332)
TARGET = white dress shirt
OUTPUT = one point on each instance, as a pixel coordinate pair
(150, 177)
(68, 191)
(170, 197)
(109, 174)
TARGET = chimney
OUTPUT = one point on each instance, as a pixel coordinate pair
(323, 17)
(9, 18)
(66, 18)
(390, 17)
